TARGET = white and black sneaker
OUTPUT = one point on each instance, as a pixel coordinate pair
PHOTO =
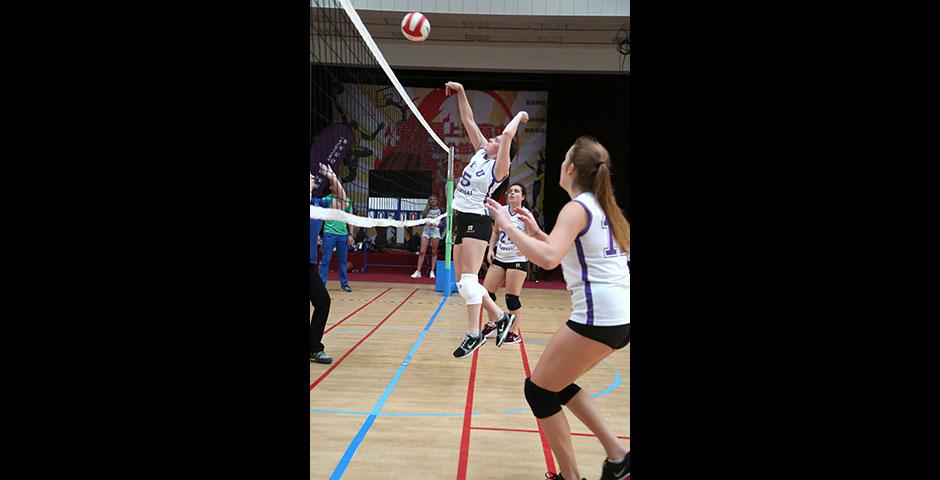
(556, 476)
(502, 327)
(489, 329)
(321, 357)
(468, 345)
(512, 339)
(616, 471)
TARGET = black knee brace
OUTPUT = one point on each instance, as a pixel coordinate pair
(492, 296)
(512, 302)
(567, 393)
(542, 402)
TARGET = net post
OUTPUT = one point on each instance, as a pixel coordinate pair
(449, 242)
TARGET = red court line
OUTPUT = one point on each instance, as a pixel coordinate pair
(360, 324)
(624, 437)
(465, 436)
(336, 363)
(356, 310)
(546, 448)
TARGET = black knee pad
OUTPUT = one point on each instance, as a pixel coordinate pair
(542, 402)
(512, 302)
(492, 296)
(567, 393)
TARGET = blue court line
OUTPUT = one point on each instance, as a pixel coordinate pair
(354, 445)
(341, 412)
(389, 414)
(611, 388)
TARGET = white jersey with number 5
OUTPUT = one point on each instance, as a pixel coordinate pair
(476, 184)
(596, 271)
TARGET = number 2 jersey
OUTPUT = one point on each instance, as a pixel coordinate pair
(506, 251)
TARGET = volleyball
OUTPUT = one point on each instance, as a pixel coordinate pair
(415, 27)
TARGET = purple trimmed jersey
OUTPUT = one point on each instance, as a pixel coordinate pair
(506, 251)
(476, 184)
(596, 271)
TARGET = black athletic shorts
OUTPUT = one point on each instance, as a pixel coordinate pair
(471, 225)
(615, 337)
(523, 266)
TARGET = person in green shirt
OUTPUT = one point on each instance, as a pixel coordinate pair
(336, 235)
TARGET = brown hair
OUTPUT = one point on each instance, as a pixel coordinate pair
(525, 196)
(592, 173)
(503, 189)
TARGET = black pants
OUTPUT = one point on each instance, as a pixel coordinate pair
(615, 337)
(320, 299)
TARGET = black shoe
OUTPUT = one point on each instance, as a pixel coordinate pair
(489, 329)
(468, 345)
(512, 339)
(502, 327)
(556, 476)
(616, 471)
(346, 288)
(321, 357)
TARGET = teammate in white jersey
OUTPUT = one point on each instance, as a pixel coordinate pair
(487, 169)
(506, 263)
(431, 233)
(590, 240)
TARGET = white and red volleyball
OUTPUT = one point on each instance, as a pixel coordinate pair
(415, 27)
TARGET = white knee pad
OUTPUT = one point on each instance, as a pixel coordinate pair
(470, 289)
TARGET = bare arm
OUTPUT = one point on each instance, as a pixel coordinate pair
(489, 249)
(424, 214)
(340, 199)
(311, 186)
(466, 114)
(339, 194)
(503, 162)
(549, 252)
(494, 236)
(351, 238)
(532, 227)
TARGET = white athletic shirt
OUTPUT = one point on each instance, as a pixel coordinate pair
(476, 184)
(433, 213)
(596, 272)
(506, 251)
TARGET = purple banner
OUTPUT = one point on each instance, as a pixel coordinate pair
(329, 147)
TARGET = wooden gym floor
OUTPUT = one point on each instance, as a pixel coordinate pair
(395, 403)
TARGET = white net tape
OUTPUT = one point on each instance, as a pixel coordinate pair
(320, 213)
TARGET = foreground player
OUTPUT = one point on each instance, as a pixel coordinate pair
(590, 240)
